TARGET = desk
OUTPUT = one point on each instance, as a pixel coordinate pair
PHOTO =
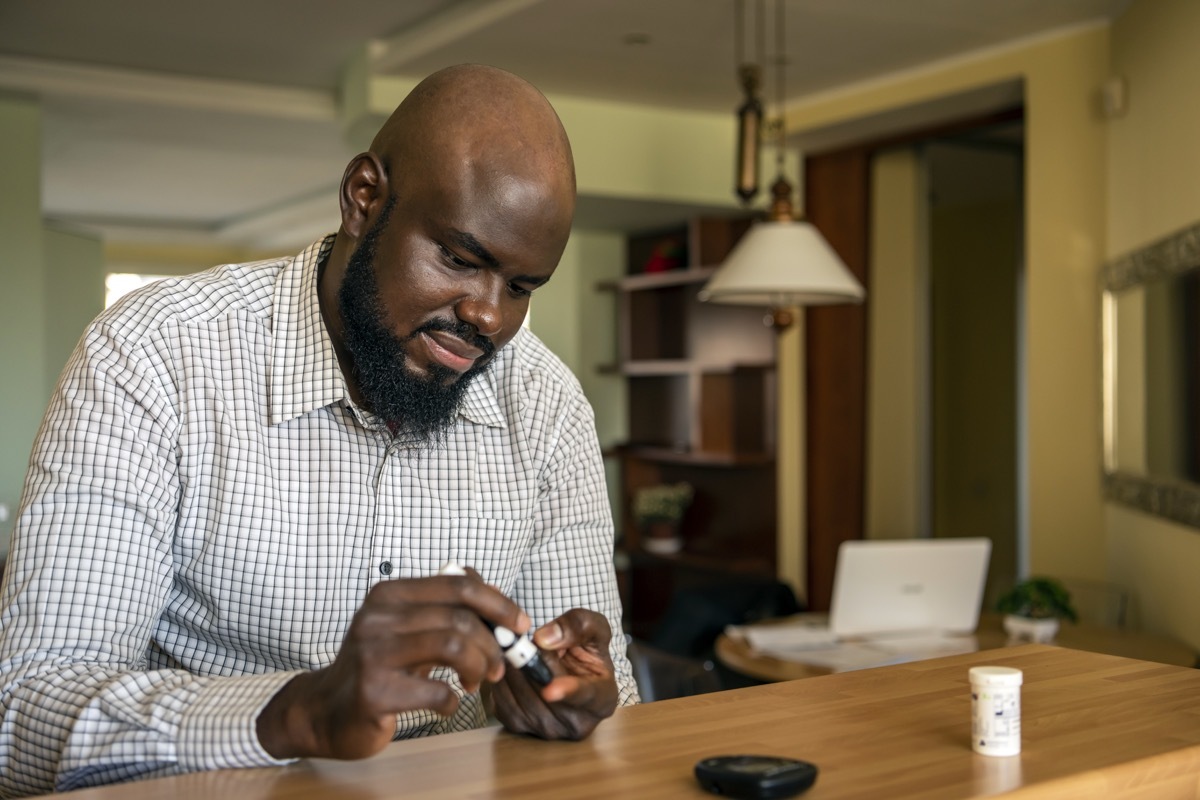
(739, 656)
(1094, 726)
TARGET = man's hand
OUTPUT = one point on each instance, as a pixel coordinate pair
(403, 630)
(584, 689)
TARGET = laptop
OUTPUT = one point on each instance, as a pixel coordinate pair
(908, 586)
(912, 591)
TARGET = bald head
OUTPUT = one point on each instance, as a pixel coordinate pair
(458, 212)
(477, 118)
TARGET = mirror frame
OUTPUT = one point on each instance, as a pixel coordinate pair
(1178, 501)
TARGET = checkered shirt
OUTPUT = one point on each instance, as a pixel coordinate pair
(206, 509)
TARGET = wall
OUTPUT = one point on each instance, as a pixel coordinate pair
(621, 150)
(23, 315)
(179, 259)
(1065, 191)
(1154, 189)
(896, 429)
(73, 273)
(53, 285)
(578, 322)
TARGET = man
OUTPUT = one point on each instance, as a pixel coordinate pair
(247, 480)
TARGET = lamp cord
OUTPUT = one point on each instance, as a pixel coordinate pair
(761, 33)
(780, 69)
(739, 10)
(739, 32)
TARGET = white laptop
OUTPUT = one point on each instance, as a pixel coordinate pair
(908, 586)
(905, 590)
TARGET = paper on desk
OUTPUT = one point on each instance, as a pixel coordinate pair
(926, 645)
(843, 658)
(787, 636)
(800, 644)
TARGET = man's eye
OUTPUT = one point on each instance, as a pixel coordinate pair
(453, 259)
(519, 291)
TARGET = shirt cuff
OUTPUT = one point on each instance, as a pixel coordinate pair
(219, 729)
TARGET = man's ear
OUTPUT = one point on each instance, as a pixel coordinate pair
(364, 191)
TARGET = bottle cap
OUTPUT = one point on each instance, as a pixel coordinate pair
(504, 637)
(996, 676)
(521, 653)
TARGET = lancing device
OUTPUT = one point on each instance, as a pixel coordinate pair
(520, 651)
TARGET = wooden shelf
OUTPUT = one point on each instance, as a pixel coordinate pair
(658, 280)
(700, 458)
(758, 567)
(680, 366)
(700, 381)
(655, 367)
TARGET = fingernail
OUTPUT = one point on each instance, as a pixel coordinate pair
(550, 636)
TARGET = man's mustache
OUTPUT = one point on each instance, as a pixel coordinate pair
(463, 330)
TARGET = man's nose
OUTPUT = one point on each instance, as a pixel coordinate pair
(482, 307)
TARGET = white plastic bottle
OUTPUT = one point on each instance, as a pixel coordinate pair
(996, 710)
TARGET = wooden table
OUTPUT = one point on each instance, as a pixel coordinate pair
(736, 654)
(1094, 726)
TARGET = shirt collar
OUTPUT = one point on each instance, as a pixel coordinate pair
(305, 374)
(481, 403)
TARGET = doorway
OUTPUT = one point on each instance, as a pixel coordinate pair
(974, 248)
(937, 407)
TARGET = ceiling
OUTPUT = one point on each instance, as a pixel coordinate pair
(217, 121)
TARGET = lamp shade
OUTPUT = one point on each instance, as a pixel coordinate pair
(783, 263)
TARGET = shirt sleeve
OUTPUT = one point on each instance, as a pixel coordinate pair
(571, 565)
(89, 573)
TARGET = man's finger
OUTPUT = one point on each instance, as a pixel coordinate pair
(455, 590)
(579, 627)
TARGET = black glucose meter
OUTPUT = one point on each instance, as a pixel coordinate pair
(755, 777)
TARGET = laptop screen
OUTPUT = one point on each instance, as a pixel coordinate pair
(908, 586)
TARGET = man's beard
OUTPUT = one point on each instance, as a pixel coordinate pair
(421, 408)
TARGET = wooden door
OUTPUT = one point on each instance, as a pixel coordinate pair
(837, 202)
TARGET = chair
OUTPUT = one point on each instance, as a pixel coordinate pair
(696, 616)
(661, 675)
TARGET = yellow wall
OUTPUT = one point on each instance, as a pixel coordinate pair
(577, 321)
(73, 273)
(1154, 189)
(53, 284)
(621, 150)
(1065, 220)
(896, 429)
(22, 303)
(177, 259)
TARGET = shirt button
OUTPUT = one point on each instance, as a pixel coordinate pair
(386, 568)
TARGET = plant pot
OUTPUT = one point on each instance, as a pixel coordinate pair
(662, 538)
(1030, 630)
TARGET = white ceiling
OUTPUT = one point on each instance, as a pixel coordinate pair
(216, 121)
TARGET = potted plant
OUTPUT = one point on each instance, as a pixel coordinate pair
(1034, 607)
(658, 510)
